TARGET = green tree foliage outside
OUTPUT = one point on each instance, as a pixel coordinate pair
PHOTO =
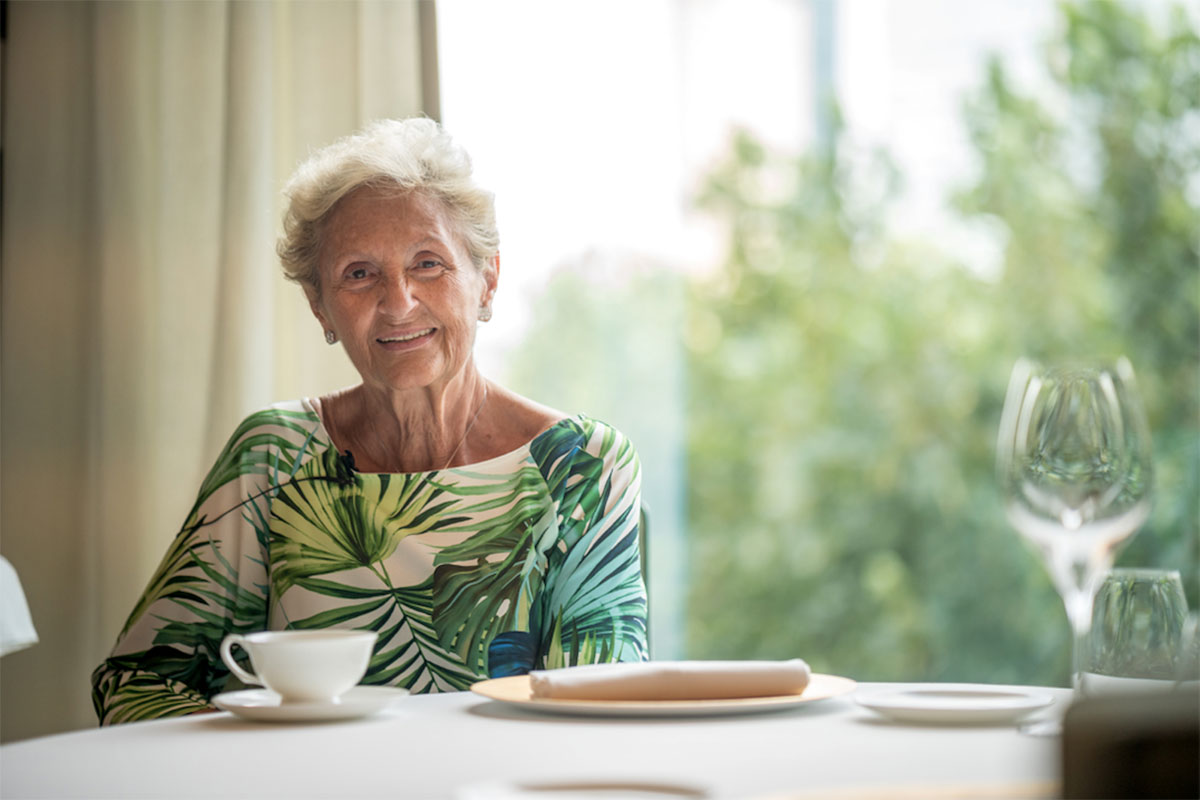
(844, 386)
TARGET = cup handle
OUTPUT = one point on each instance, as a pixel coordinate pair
(227, 656)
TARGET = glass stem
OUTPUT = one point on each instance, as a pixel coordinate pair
(1078, 602)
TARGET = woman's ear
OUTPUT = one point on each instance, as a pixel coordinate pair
(491, 278)
(314, 304)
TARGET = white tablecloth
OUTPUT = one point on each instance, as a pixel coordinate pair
(434, 746)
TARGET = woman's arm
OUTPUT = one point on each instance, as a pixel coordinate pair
(211, 582)
(593, 605)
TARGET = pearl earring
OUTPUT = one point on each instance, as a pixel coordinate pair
(330, 337)
(485, 313)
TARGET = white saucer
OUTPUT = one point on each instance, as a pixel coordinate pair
(956, 704)
(265, 706)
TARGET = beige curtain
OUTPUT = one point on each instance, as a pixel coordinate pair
(144, 147)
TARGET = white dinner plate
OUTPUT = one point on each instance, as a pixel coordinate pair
(581, 790)
(264, 705)
(956, 704)
(515, 691)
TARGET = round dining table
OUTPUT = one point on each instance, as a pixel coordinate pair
(469, 747)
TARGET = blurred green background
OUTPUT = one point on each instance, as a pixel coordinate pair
(833, 391)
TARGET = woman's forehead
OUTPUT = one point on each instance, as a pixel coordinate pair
(372, 214)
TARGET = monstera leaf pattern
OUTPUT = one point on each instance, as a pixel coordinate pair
(521, 562)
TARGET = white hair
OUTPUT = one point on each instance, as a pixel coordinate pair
(411, 155)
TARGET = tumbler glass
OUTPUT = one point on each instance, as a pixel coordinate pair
(1138, 630)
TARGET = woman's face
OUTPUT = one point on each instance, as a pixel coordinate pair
(399, 289)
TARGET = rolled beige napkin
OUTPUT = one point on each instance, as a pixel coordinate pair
(671, 680)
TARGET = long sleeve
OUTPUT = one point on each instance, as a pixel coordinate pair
(593, 605)
(212, 581)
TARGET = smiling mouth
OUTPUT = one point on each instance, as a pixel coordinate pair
(408, 337)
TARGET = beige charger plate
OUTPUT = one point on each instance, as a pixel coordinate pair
(515, 691)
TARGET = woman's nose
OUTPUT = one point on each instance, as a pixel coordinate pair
(396, 297)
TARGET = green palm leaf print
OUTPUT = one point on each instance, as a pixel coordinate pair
(526, 561)
(596, 581)
(319, 527)
(488, 583)
(408, 652)
(254, 448)
(134, 695)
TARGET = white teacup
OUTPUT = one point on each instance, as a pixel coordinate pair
(302, 666)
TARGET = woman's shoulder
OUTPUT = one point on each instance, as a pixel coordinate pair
(278, 437)
(530, 420)
(581, 433)
(581, 425)
(289, 423)
(289, 414)
(517, 418)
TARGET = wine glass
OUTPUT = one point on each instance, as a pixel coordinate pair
(1073, 460)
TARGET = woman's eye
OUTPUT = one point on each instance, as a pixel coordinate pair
(427, 268)
(356, 273)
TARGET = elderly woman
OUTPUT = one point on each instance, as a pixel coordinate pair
(478, 532)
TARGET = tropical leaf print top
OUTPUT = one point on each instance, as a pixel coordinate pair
(526, 561)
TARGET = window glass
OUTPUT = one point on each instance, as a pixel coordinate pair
(805, 313)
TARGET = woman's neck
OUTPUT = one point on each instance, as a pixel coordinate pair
(407, 431)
